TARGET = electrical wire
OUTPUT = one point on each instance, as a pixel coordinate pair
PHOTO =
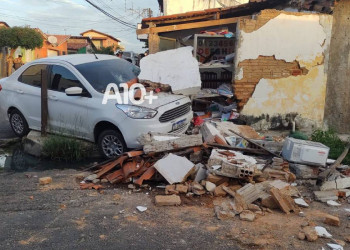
(111, 16)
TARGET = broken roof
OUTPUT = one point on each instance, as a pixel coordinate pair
(254, 6)
(239, 10)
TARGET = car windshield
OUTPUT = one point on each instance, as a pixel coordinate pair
(101, 73)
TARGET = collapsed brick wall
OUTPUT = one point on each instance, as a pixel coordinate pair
(267, 67)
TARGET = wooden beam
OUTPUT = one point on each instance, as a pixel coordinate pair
(188, 19)
(44, 104)
(187, 26)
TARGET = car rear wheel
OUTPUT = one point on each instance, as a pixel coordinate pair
(111, 144)
(18, 123)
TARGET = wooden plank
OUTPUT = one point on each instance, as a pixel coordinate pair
(187, 26)
(44, 104)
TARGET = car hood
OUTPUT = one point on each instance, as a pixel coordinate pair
(163, 99)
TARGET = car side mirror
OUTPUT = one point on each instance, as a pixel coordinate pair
(74, 91)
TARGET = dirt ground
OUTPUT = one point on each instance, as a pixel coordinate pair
(62, 216)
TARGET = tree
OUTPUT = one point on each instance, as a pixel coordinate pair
(105, 50)
(15, 37)
(20, 37)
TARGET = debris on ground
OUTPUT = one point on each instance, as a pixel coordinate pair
(231, 165)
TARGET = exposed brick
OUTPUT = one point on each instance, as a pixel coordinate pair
(167, 200)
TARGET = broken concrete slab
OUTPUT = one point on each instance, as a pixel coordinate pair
(340, 183)
(325, 196)
(301, 202)
(333, 246)
(218, 156)
(201, 173)
(209, 133)
(174, 169)
(333, 204)
(181, 72)
(322, 232)
(304, 171)
(171, 144)
(167, 200)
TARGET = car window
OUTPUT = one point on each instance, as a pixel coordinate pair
(62, 78)
(32, 75)
(101, 73)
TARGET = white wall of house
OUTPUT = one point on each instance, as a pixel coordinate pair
(304, 38)
(181, 6)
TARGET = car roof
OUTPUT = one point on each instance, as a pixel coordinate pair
(77, 59)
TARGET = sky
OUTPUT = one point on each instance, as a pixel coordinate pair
(72, 17)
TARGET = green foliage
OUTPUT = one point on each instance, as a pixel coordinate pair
(332, 140)
(299, 135)
(60, 148)
(105, 50)
(20, 37)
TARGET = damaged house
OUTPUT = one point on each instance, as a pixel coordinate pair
(286, 60)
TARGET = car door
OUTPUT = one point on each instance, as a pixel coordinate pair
(28, 91)
(67, 114)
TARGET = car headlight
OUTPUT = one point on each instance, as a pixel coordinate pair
(137, 112)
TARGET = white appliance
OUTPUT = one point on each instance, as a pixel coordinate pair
(305, 152)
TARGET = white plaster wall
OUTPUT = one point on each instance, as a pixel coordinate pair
(181, 6)
(305, 38)
(288, 37)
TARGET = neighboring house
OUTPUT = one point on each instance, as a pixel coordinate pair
(171, 7)
(3, 53)
(79, 45)
(287, 58)
(100, 39)
(4, 24)
(54, 45)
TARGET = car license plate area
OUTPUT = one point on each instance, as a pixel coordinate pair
(178, 125)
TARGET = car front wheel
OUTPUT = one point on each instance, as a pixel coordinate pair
(111, 144)
(18, 123)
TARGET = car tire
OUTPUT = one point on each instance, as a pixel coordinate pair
(111, 144)
(18, 123)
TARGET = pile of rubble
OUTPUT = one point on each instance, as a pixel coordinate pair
(233, 163)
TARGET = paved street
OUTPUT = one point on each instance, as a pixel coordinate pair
(61, 216)
(5, 129)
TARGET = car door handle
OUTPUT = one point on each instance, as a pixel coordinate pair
(52, 97)
(20, 91)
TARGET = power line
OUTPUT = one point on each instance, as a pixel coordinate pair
(111, 16)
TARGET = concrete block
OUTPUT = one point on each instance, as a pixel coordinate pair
(167, 200)
(174, 169)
